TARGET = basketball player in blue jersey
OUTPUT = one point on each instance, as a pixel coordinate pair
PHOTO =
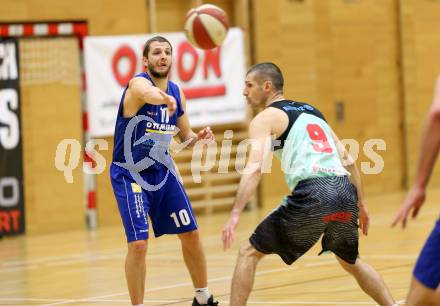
(323, 200)
(425, 284)
(143, 177)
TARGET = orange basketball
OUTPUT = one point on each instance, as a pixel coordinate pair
(206, 26)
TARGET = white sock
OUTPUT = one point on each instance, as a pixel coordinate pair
(139, 305)
(202, 295)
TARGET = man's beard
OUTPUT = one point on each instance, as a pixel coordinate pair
(157, 74)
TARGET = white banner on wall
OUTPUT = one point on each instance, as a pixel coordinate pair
(212, 80)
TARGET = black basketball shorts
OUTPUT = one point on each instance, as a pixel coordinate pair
(319, 206)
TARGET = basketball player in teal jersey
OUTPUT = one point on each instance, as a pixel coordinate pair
(425, 285)
(323, 200)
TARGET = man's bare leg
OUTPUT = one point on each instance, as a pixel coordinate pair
(135, 270)
(369, 280)
(244, 274)
(420, 295)
(194, 258)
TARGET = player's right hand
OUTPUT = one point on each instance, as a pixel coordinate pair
(414, 200)
(229, 230)
(169, 101)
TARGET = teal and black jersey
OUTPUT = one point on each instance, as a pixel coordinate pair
(306, 148)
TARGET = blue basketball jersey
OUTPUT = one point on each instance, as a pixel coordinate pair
(148, 134)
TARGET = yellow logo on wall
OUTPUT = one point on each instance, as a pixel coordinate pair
(136, 188)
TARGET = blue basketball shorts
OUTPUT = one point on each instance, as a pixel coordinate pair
(168, 207)
(427, 269)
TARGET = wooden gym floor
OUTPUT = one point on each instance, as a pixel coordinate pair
(84, 268)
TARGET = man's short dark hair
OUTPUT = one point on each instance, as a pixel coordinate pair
(269, 72)
(153, 39)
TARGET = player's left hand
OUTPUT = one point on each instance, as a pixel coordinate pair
(364, 219)
(413, 201)
(206, 133)
(229, 230)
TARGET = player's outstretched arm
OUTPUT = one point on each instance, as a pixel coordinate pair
(141, 91)
(429, 150)
(259, 133)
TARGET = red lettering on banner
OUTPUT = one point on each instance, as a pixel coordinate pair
(205, 91)
(211, 61)
(4, 222)
(127, 52)
(185, 48)
(15, 215)
(8, 219)
(212, 58)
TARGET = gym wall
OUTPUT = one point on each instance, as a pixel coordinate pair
(369, 66)
(51, 106)
(421, 67)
